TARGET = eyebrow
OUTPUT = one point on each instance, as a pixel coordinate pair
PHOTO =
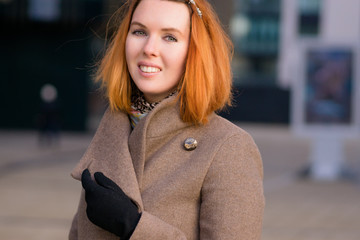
(163, 29)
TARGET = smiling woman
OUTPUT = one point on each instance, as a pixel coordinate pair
(156, 49)
(163, 164)
(208, 61)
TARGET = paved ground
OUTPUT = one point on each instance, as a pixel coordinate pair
(38, 197)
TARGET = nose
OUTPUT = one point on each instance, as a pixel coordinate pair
(151, 48)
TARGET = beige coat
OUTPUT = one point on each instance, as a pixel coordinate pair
(213, 192)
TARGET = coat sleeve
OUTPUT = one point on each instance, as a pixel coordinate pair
(232, 201)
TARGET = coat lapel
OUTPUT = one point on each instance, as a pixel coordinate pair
(120, 153)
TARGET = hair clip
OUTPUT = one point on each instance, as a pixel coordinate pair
(197, 9)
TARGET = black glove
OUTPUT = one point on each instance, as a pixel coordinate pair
(108, 206)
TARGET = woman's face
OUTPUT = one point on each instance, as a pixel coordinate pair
(157, 46)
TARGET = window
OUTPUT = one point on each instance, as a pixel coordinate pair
(309, 17)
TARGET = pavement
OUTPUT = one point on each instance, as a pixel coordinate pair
(38, 197)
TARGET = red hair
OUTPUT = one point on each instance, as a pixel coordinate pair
(207, 80)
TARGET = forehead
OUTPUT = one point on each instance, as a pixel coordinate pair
(162, 13)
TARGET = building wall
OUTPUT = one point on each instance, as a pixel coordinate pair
(339, 24)
(341, 21)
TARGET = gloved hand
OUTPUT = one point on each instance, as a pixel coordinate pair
(108, 206)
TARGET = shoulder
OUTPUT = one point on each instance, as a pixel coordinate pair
(234, 146)
(223, 129)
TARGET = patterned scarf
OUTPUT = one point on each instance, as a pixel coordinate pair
(141, 107)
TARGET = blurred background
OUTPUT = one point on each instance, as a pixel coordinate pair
(297, 92)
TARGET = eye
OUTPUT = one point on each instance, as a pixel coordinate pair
(170, 38)
(139, 33)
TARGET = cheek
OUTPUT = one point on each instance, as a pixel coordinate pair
(179, 58)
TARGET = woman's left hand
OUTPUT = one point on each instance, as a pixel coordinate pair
(108, 206)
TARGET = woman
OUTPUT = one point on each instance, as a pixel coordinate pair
(162, 164)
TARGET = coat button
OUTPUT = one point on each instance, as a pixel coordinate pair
(190, 144)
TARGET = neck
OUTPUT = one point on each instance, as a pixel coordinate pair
(155, 98)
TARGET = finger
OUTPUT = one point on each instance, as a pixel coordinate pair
(86, 180)
(106, 182)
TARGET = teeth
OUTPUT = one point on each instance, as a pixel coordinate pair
(149, 69)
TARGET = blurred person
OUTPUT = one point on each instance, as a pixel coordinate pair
(49, 116)
(162, 164)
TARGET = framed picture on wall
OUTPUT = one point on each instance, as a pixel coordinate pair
(326, 95)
